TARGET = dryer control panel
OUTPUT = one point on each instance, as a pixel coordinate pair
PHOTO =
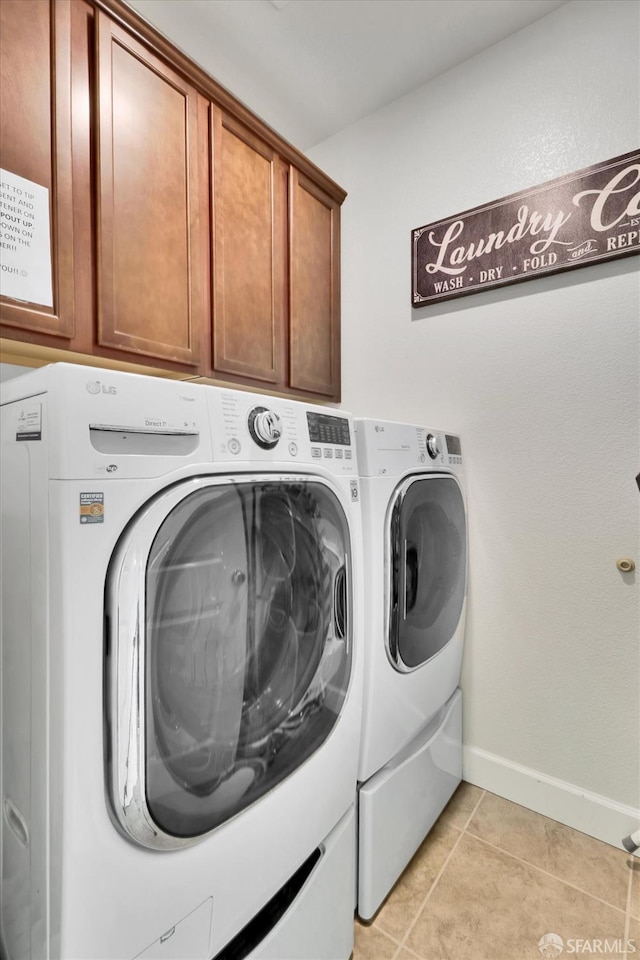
(454, 448)
(386, 448)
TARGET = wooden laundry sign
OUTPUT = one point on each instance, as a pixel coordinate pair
(583, 218)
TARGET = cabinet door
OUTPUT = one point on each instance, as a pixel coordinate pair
(249, 253)
(35, 141)
(150, 282)
(314, 309)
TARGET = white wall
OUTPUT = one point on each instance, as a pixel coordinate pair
(541, 381)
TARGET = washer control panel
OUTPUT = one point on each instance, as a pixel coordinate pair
(265, 427)
(251, 428)
(324, 428)
(330, 436)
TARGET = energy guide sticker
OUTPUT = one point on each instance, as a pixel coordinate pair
(30, 422)
(92, 508)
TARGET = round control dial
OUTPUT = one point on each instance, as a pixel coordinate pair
(265, 427)
(432, 446)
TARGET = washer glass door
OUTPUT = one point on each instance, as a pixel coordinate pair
(428, 560)
(245, 653)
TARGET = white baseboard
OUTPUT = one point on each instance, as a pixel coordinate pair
(590, 813)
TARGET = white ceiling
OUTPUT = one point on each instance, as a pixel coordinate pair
(310, 68)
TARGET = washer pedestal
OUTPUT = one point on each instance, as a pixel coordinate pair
(320, 922)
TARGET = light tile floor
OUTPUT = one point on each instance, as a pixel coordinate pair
(493, 878)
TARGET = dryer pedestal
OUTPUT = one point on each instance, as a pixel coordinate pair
(399, 804)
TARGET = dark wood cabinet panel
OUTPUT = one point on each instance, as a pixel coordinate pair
(314, 265)
(35, 140)
(187, 237)
(150, 282)
(249, 253)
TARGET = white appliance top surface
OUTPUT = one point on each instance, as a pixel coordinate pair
(387, 448)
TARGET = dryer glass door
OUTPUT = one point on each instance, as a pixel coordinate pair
(428, 554)
(245, 654)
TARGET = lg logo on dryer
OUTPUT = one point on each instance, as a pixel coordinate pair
(95, 386)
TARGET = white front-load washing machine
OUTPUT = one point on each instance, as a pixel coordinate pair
(415, 546)
(181, 678)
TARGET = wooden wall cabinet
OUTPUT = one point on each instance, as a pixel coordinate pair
(249, 253)
(314, 270)
(276, 267)
(186, 235)
(35, 142)
(149, 263)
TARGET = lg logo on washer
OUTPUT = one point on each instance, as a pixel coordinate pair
(95, 386)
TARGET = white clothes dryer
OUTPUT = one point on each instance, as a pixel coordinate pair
(415, 547)
(181, 677)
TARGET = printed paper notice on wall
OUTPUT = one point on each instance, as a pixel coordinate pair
(25, 245)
